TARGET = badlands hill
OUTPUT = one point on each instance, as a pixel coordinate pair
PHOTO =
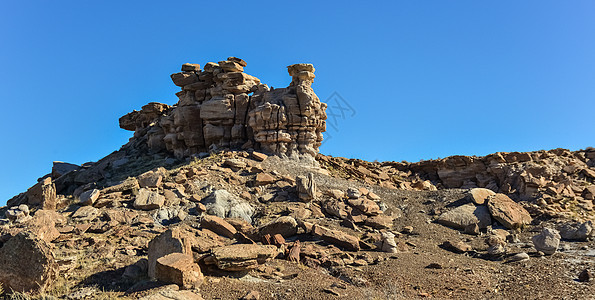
(225, 195)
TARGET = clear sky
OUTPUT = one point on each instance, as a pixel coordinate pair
(415, 79)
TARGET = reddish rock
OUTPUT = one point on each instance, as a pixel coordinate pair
(286, 226)
(337, 238)
(264, 179)
(218, 226)
(43, 225)
(180, 269)
(258, 156)
(380, 222)
(175, 240)
(507, 212)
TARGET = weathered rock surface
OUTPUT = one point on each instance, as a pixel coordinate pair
(337, 238)
(147, 200)
(286, 226)
(306, 187)
(507, 212)
(547, 241)
(218, 225)
(175, 240)
(465, 215)
(180, 269)
(577, 231)
(240, 257)
(479, 196)
(223, 204)
(215, 110)
(27, 264)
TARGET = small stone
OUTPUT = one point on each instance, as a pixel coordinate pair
(187, 67)
(264, 179)
(585, 276)
(519, 257)
(407, 230)
(434, 266)
(218, 225)
(251, 295)
(457, 247)
(258, 156)
(89, 197)
(353, 193)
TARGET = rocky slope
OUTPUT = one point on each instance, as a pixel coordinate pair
(224, 196)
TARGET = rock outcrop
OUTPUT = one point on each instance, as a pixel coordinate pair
(221, 107)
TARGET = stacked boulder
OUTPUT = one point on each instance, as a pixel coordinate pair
(221, 107)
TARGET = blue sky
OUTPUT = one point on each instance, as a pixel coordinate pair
(421, 79)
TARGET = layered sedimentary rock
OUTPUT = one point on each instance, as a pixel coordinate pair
(221, 107)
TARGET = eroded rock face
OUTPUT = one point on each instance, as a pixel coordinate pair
(223, 107)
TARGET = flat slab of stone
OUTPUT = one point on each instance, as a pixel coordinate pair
(240, 257)
(337, 238)
(479, 196)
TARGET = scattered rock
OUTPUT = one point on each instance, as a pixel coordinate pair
(576, 231)
(180, 269)
(479, 196)
(148, 200)
(18, 214)
(151, 179)
(337, 238)
(223, 204)
(240, 257)
(388, 242)
(379, 222)
(585, 276)
(175, 240)
(519, 257)
(353, 193)
(465, 215)
(218, 226)
(258, 156)
(89, 197)
(547, 241)
(263, 179)
(457, 247)
(85, 213)
(507, 212)
(251, 295)
(286, 226)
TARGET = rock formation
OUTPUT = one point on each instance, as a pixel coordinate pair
(221, 107)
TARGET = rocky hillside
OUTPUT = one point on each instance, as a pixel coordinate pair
(225, 196)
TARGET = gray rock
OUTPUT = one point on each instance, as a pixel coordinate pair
(465, 215)
(223, 204)
(62, 168)
(170, 215)
(519, 257)
(577, 231)
(547, 241)
(353, 193)
(85, 213)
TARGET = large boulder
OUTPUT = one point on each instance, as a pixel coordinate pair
(577, 231)
(509, 213)
(465, 215)
(27, 264)
(175, 240)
